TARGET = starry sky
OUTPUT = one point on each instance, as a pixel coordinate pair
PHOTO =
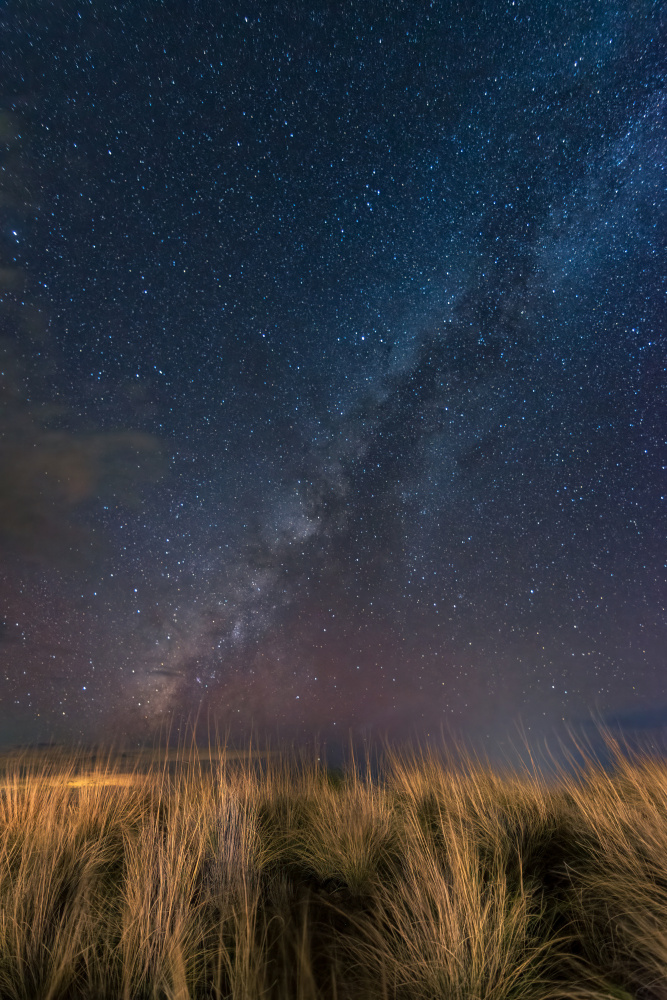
(334, 349)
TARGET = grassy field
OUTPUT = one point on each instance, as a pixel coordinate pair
(272, 877)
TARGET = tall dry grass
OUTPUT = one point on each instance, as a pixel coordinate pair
(274, 878)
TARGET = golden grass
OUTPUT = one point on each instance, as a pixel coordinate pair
(270, 877)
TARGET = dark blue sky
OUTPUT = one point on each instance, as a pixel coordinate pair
(384, 285)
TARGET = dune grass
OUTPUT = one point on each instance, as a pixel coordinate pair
(271, 877)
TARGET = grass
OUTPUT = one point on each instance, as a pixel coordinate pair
(271, 877)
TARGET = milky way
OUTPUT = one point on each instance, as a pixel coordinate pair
(352, 344)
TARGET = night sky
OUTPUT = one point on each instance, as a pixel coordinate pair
(334, 343)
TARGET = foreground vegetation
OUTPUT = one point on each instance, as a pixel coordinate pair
(275, 878)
